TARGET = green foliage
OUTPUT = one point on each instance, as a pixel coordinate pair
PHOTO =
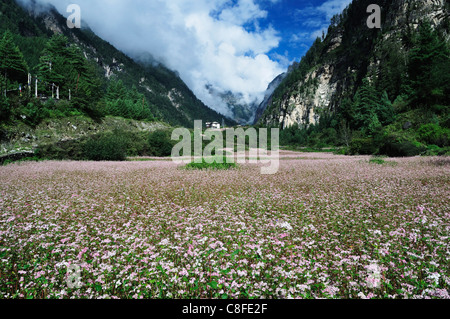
(363, 146)
(63, 150)
(377, 160)
(126, 103)
(217, 164)
(5, 109)
(160, 144)
(63, 65)
(12, 64)
(393, 69)
(26, 159)
(113, 146)
(434, 134)
(429, 68)
(110, 147)
(395, 146)
(80, 68)
(369, 111)
(34, 113)
(410, 67)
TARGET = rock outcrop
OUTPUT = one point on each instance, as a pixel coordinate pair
(335, 74)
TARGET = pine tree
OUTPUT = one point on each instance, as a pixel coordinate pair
(365, 107)
(12, 64)
(385, 111)
(428, 67)
(55, 67)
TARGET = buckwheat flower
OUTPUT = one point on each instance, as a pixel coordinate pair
(442, 293)
(285, 225)
(435, 277)
(184, 272)
(331, 290)
(362, 296)
(242, 273)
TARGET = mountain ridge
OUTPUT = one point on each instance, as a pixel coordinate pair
(156, 82)
(335, 75)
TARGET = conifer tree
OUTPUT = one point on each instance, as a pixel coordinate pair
(428, 67)
(12, 64)
(365, 106)
(385, 111)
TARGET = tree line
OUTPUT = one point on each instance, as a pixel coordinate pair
(62, 66)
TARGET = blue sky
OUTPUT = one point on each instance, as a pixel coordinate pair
(231, 45)
(299, 24)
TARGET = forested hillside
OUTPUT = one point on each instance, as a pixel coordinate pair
(77, 73)
(373, 91)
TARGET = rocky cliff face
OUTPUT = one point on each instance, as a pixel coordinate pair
(336, 73)
(268, 96)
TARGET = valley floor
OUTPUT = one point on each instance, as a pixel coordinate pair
(325, 226)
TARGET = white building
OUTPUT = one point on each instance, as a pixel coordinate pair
(213, 125)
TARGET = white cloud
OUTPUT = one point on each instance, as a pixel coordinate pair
(318, 18)
(204, 40)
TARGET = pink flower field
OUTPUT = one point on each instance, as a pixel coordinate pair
(324, 226)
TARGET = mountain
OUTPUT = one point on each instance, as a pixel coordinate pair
(165, 95)
(334, 69)
(270, 91)
(235, 105)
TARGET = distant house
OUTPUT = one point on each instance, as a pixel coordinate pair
(213, 125)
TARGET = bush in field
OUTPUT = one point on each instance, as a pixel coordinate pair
(377, 160)
(106, 148)
(363, 146)
(160, 144)
(67, 150)
(396, 147)
(215, 165)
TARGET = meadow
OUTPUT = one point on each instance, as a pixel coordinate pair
(324, 226)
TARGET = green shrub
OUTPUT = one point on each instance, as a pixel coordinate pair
(434, 150)
(34, 113)
(377, 160)
(67, 150)
(363, 146)
(395, 147)
(434, 134)
(26, 159)
(5, 109)
(160, 144)
(110, 147)
(215, 165)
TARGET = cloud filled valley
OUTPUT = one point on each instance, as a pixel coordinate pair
(214, 44)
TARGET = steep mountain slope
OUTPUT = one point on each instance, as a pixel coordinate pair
(167, 95)
(334, 69)
(270, 91)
